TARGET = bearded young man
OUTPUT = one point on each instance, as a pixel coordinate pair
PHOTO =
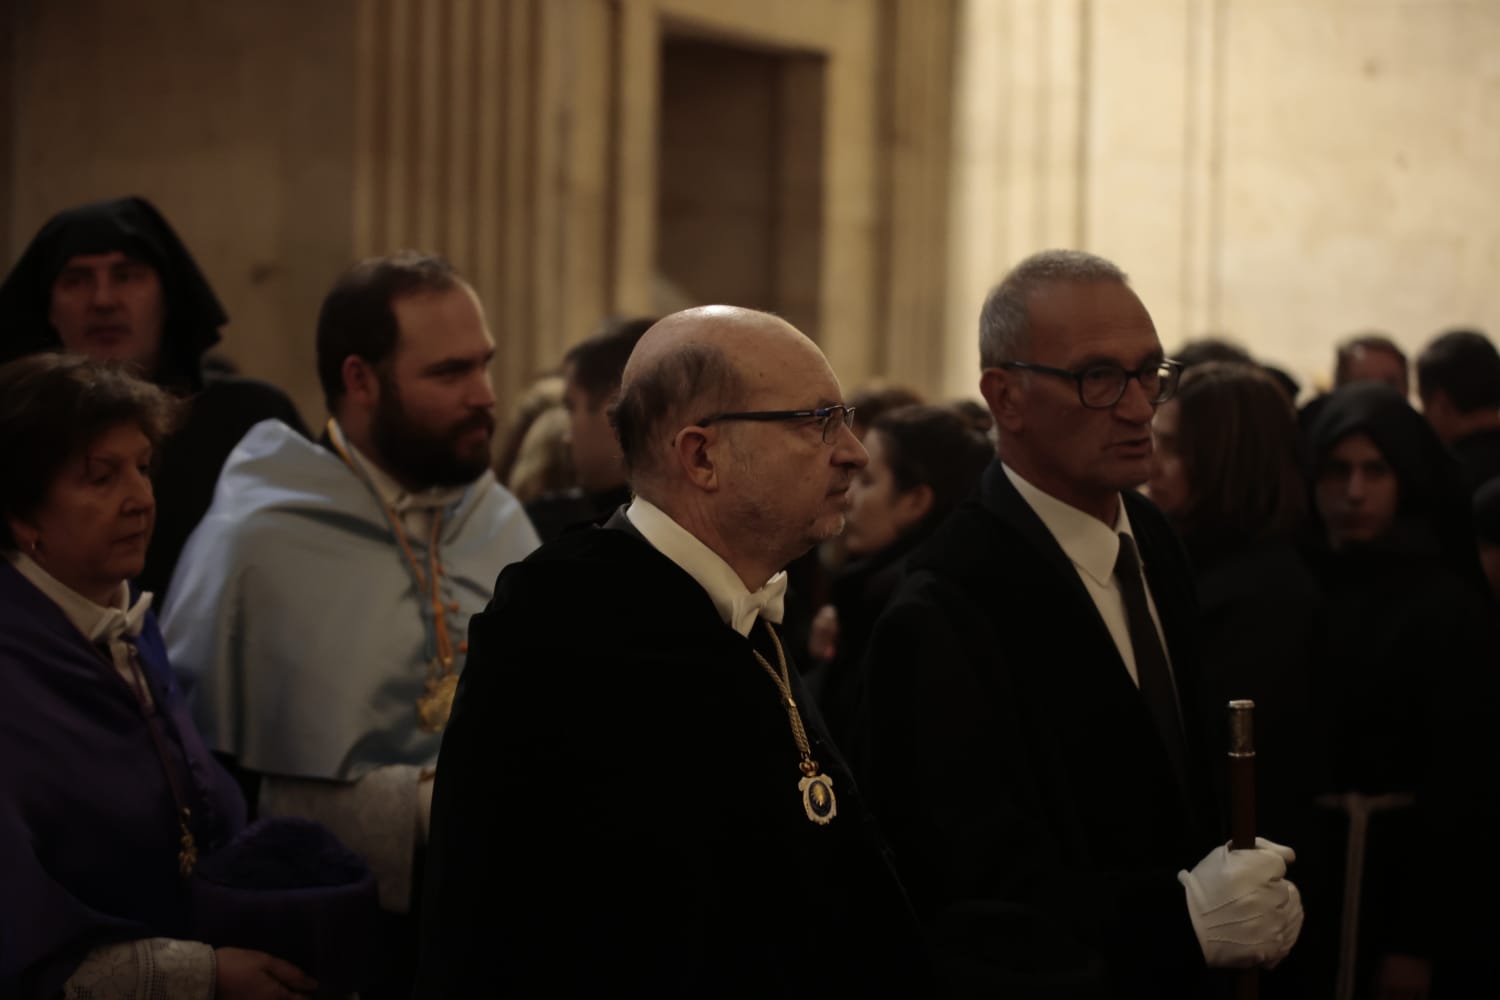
(320, 612)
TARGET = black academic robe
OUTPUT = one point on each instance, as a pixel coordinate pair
(859, 593)
(1407, 693)
(617, 810)
(1479, 457)
(1035, 815)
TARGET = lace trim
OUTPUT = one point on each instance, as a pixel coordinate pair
(145, 969)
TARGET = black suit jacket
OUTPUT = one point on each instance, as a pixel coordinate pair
(617, 809)
(1010, 758)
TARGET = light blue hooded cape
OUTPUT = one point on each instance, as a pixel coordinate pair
(293, 619)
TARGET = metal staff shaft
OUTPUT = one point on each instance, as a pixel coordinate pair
(1242, 808)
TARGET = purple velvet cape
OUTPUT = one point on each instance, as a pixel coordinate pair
(88, 825)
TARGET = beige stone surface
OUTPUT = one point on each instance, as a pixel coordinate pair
(517, 137)
(1285, 171)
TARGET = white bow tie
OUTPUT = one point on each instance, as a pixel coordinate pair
(769, 602)
(118, 623)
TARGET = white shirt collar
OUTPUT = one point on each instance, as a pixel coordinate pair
(1092, 545)
(736, 605)
(390, 492)
(96, 622)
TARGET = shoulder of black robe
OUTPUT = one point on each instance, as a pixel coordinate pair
(132, 225)
(618, 786)
(1479, 456)
(553, 514)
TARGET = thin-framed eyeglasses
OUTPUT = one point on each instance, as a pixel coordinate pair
(1102, 386)
(833, 418)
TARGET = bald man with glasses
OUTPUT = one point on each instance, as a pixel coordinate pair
(1032, 753)
(634, 797)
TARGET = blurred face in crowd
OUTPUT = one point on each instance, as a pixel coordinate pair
(785, 488)
(1080, 455)
(1375, 364)
(435, 415)
(109, 307)
(92, 529)
(597, 461)
(879, 512)
(1356, 493)
(1169, 482)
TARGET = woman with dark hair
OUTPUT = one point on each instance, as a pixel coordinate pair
(121, 850)
(1407, 691)
(924, 461)
(1225, 469)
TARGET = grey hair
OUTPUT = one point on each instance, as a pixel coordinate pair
(1003, 324)
(695, 375)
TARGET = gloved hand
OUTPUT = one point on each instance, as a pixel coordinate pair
(1244, 911)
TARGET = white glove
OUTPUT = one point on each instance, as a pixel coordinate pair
(1244, 911)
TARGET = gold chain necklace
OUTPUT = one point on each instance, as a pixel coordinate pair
(436, 702)
(817, 788)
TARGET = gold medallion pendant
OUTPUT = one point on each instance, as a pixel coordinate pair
(817, 798)
(436, 702)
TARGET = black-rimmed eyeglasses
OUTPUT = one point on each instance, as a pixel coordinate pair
(833, 418)
(1102, 386)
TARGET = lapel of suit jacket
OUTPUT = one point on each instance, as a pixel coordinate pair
(1000, 497)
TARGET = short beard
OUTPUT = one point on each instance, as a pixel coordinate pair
(421, 457)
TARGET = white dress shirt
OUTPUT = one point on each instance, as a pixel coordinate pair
(736, 605)
(1093, 547)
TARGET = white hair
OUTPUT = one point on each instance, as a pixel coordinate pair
(1003, 323)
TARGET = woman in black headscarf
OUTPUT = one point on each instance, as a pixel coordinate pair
(1407, 690)
(112, 281)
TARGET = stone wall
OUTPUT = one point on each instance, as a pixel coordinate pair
(1282, 171)
(518, 137)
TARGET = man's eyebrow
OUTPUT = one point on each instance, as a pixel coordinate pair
(459, 361)
(1095, 360)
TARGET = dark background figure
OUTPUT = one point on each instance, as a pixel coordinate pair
(810, 576)
(1372, 357)
(1202, 350)
(1205, 349)
(1458, 381)
(591, 378)
(1364, 357)
(1487, 532)
(1226, 470)
(924, 461)
(1406, 691)
(112, 281)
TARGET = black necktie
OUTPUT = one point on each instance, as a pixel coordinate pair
(1151, 666)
